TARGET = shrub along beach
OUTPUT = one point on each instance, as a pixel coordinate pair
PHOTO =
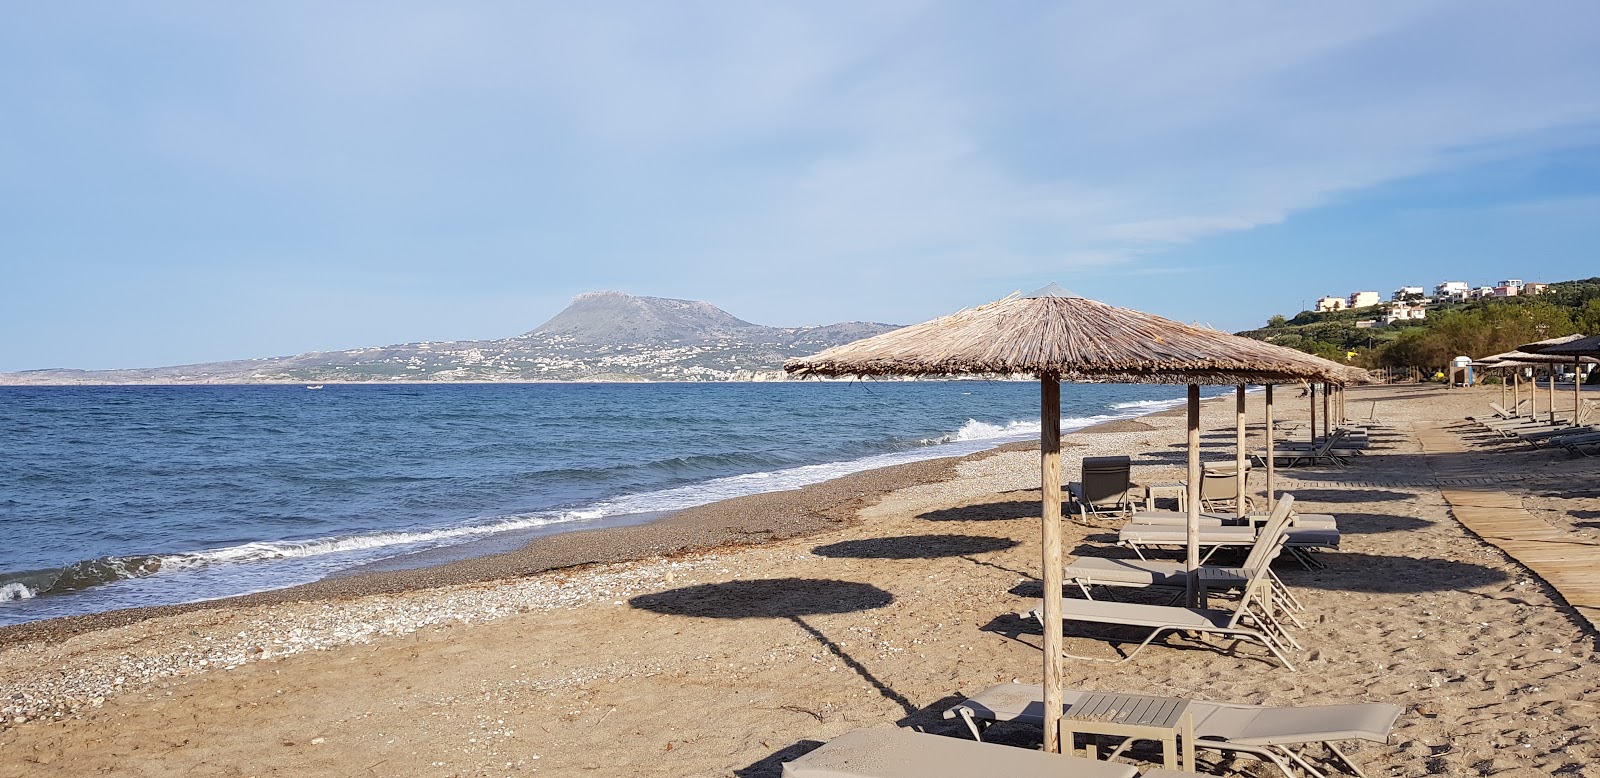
(728, 639)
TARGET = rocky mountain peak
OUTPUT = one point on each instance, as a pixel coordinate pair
(611, 318)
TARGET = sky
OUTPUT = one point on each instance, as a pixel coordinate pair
(190, 182)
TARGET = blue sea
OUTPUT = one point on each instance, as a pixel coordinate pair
(114, 497)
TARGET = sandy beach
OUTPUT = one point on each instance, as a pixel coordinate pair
(728, 639)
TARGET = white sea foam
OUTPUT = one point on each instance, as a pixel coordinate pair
(16, 591)
(1145, 406)
(294, 549)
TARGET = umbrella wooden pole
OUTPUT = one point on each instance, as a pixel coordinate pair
(1502, 392)
(1050, 483)
(1270, 437)
(1550, 375)
(1313, 436)
(1577, 390)
(1238, 450)
(1192, 558)
(1533, 396)
(1327, 411)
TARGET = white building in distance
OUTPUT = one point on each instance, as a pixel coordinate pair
(1331, 304)
(1364, 299)
(1414, 292)
(1453, 290)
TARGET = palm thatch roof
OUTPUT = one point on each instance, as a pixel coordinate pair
(1053, 331)
(1568, 347)
(1521, 358)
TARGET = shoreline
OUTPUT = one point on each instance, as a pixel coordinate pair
(748, 520)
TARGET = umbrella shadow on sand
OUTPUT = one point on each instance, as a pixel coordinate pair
(780, 598)
(915, 547)
(1005, 510)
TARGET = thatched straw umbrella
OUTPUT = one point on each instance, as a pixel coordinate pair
(1524, 356)
(1059, 336)
(1574, 349)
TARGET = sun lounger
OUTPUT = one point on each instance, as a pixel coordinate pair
(1179, 518)
(1553, 435)
(1582, 444)
(1276, 734)
(1314, 535)
(1088, 571)
(1252, 618)
(1105, 487)
(1499, 413)
(1328, 451)
(1301, 541)
(900, 753)
(1220, 489)
(1142, 537)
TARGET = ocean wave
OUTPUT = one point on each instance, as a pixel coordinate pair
(1148, 405)
(16, 591)
(261, 551)
(77, 576)
(975, 430)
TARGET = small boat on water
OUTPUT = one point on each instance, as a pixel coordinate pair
(313, 386)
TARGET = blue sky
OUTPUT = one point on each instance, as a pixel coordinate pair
(185, 182)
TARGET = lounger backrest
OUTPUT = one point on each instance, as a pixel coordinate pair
(1329, 443)
(1271, 534)
(1224, 485)
(1106, 479)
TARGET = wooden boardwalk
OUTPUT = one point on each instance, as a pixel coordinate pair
(1570, 564)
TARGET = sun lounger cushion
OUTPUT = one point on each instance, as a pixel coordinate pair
(899, 753)
(1177, 535)
(1178, 518)
(1267, 726)
(1092, 570)
(1312, 537)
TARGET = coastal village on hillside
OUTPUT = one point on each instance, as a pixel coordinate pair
(1412, 302)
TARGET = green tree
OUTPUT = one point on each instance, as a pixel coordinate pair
(1587, 318)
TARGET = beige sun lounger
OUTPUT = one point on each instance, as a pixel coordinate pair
(1105, 488)
(1251, 619)
(1179, 518)
(900, 753)
(1301, 539)
(1328, 450)
(1275, 734)
(1087, 571)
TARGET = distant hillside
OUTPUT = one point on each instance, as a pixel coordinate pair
(1475, 328)
(601, 336)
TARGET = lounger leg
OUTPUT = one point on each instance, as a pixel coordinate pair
(1278, 584)
(1263, 754)
(1354, 770)
(972, 725)
(1300, 760)
(1082, 588)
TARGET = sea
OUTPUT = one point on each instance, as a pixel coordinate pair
(124, 496)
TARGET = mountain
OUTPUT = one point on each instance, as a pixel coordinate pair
(601, 336)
